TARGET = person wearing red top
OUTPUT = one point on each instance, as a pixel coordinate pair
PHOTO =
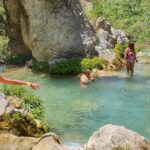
(130, 58)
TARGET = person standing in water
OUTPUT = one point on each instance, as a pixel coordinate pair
(86, 78)
(130, 58)
(34, 86)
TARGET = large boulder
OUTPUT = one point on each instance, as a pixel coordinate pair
(49, 141)
(112, 36)
(112, 137)
(12, 142)
(49, 29)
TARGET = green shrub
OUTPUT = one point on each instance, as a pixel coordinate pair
(39, 66)
(15, 59)
(88, 63)
(3, 46)
(119, 50)
(69, 66)
(17, 117)
(131, 16)
(97, 8)
(28, 100)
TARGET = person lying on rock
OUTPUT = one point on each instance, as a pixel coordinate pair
(86, 77)
(130, 58)
(34, 86)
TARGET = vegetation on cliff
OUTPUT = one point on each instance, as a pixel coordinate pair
(131, 16)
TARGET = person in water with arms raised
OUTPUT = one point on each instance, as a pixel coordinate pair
(130, 58)
(34, 86)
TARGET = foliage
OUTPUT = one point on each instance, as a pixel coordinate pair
(3, 46)
(14, 59)
(21, 126)
(38, 66)
(119, 50)
(88, 63)
(131, 16)
(69, 66)
(28, 101)
(2, 19)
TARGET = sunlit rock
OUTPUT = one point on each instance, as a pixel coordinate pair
(112, 137)
(49, 29)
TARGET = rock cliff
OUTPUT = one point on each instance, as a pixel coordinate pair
(108, 38)
(49, 29)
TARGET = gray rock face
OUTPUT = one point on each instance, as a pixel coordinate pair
(9, 105)
(49, 29)
(108, 38)
(111, 137)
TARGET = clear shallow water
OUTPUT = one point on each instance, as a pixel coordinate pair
(77, 112)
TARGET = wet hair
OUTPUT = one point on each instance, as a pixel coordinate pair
(131, 45)
(86, 71)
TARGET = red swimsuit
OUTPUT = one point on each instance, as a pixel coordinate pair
(130, 57)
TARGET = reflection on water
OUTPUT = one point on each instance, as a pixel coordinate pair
(77, 112)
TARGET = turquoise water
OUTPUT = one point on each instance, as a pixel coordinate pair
(77, 112)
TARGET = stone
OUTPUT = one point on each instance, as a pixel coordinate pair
(120, 36)
(140, 54)
(38, 123)
(49, 30)
(103, 24)
(12, 142)
(49, 142)
(108, 38)
(112, 137)
(3, 103)
(14, 101)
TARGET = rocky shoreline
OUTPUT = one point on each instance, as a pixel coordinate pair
(108, 137)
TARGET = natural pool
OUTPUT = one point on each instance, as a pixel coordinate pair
(77, 112)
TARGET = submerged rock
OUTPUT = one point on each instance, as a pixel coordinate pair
(112, 137)
(49, 29)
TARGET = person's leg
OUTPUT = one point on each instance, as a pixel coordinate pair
(127, 67)
(132, 69)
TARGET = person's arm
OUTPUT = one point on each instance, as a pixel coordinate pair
(135, 56)
(19, 82)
